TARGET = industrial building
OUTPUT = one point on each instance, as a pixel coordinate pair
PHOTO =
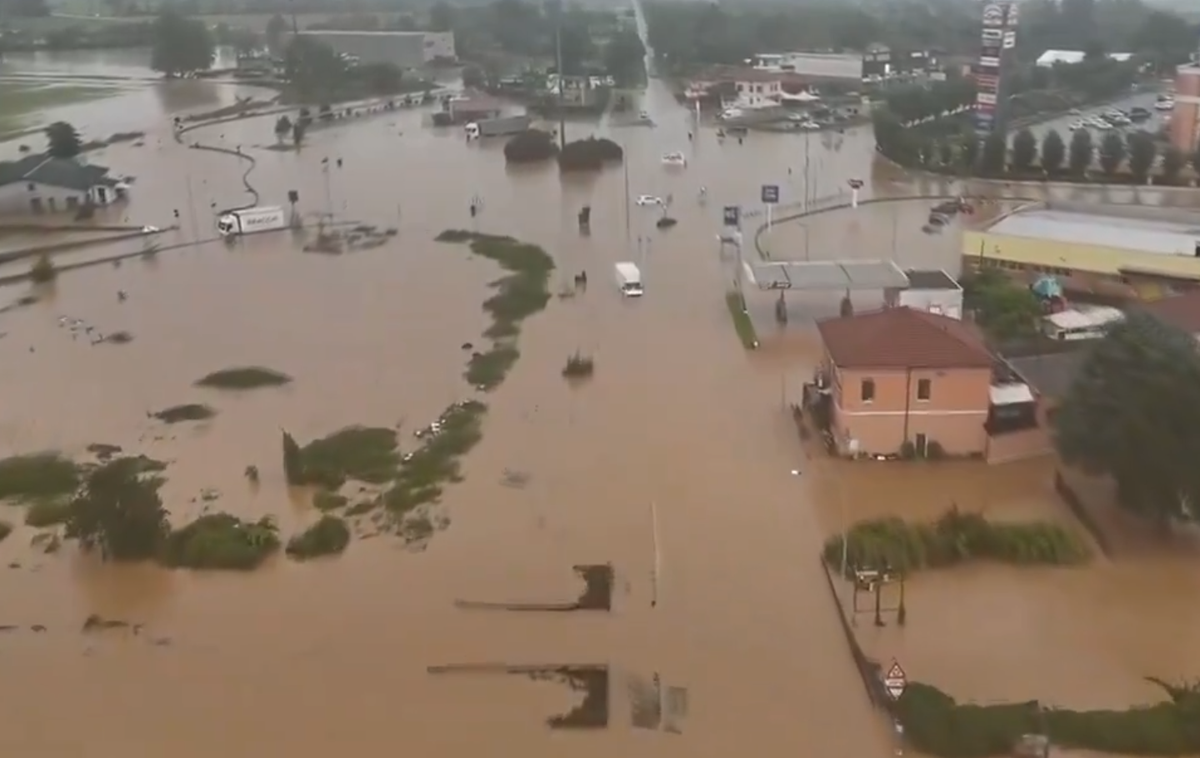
(1122, 252)
(813, 66)
(403, 49)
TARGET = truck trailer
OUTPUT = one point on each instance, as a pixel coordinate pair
(251, 221)
(498, 127)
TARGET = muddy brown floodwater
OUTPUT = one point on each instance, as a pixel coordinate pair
(332, 655)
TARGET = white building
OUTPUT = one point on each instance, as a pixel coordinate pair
(847, 66)
(1071, 57)
(40, 184)
(1082, 322)
(757, 89)
(402, 49)
(933, 291)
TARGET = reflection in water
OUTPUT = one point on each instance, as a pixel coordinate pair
(596, 595)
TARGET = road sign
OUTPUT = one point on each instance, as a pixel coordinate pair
(895, 681)
(732, 215)
(770, 194)
(855, 183)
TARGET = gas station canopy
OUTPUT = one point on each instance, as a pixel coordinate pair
(826, 275)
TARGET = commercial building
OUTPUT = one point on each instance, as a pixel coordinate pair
(813, 66)
(1070, 57)
(998, 44)
(1122, 252)
(402, 49)
(39, 184)
(1185, 118)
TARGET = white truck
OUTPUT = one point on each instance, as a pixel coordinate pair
(498, 127)
(629, 279)
(251, 221)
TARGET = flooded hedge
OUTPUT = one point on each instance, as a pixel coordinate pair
(589, 154)
(955, 537)
(329, 536)
(5, 530)
(38, 476)
(937, 725)
(741, 320)
(186, 412)
(244, 378)
(368, 454)
(530, 146)
(221, 541)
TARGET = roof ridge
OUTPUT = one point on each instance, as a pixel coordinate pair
(952, 328)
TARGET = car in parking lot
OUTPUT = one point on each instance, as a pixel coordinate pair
(644, 200)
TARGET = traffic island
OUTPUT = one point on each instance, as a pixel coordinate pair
(742, 323)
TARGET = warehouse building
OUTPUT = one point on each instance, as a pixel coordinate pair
(403, 49)
(1125, 252)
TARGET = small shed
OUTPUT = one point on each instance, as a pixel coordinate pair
(932, 291)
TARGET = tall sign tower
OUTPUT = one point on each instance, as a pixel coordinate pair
(997, 47)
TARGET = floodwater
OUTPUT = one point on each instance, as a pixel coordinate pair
(329, 656)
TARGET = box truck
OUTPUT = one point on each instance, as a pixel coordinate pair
(629, 279)
(498, 127)
(252, 220)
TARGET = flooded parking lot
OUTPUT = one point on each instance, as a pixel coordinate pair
(307, 659)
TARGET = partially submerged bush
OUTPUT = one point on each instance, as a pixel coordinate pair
(46, 513)
(437, 461)
(5, 530)
(188, 412)
(244, 378)
(487, 370)
(530, 146)
(38, 476)
(43, 270)
(329, 536)
(329, 501)
(361, 453)
(589, 154)
(118, 513)
(579, 367)
(955, 537)
(937, 725)
(221, 541)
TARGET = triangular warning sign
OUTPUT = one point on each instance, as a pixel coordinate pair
(895, 672)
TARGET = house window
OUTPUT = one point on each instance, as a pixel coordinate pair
(32, 187)
(924, 388)
(868, 390)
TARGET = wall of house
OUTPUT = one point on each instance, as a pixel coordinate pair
(953, 416)
(17, 199)
(439, 45)
(1026, 443)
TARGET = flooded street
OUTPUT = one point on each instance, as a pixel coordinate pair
(309, 659)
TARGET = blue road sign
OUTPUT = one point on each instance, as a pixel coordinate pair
(770, 193)
(732, 215)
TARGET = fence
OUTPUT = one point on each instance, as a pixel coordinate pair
(869, 670)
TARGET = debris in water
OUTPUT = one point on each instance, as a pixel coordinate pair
(596, 595)
(514, 479)
(592, 679)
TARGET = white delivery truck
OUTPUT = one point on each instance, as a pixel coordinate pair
(498, 127)
(629, 279)
(252, 220)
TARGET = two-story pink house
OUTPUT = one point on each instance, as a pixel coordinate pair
(900, 375)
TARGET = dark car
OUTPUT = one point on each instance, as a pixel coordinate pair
(1139, 114)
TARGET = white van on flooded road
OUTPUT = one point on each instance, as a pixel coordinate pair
(629, 279)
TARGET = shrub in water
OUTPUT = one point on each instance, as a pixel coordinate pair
(954, 538)
(244, 378)
(589, 154)
(530, 146)
(329, 536)
(38, 475)
(43, 270)
(222, 541)
(578, 367)
(5, 530)
(118, 513)
(365, 454)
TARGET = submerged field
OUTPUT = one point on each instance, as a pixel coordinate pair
(23, 101)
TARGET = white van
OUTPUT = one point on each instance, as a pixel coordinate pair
(629, 279)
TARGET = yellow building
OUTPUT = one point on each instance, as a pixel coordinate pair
(1125, 252)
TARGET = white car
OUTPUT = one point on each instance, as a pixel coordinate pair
(150, 230)
(1164, 105)
(644, 200)
(1078, 126)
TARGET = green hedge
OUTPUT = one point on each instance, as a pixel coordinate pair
(955, 537)
(935, 724)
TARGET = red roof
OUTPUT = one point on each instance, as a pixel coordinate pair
(903, 338)
(1180, 311)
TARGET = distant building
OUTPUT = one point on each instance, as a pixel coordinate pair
(933, 292)
(473, 106)
(813, 66)
(1185, 117)
(1071, 57)
(403, 49)
(1124, 252)
(39, 184)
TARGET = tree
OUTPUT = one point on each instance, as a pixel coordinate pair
(1142, 152)
(283, 125)
(441, 17)
(181, 45)
(624, 58)
(64, 140)
(1173, 161)
(119, 512)
(276, 28)
(1132, 413)
(473, 78)
(1079, 159)
(1112, 153)
(969, 154)
(995, 154)
(1005, 309)
(293, 461)
(1024, 150)
(1054, 152)
(946, 153)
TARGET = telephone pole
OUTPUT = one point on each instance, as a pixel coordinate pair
(562, 116)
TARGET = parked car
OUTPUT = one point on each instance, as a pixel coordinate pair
(644, 200)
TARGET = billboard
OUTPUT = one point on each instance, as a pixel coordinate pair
(986, 98)
(988, 61)
(1010, 40)
(987, 82)
(994, 14)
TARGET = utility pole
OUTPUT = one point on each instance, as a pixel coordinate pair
(625, 165)
(295, 25)
(562, 116)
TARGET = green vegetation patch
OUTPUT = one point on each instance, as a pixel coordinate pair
(329, 501)
(43, 271)
(188, 412)
(46, 513)
(38, 476)
(24, 99)
(221, 541)
(937, 725)
(437, 461)
(244, 378)
(519, 295)
(362, 453)
(579, 367)
(329, 536)
(741, 320)
(954, 538)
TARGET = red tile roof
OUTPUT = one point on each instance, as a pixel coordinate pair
(1180, 311)
(903, 338)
